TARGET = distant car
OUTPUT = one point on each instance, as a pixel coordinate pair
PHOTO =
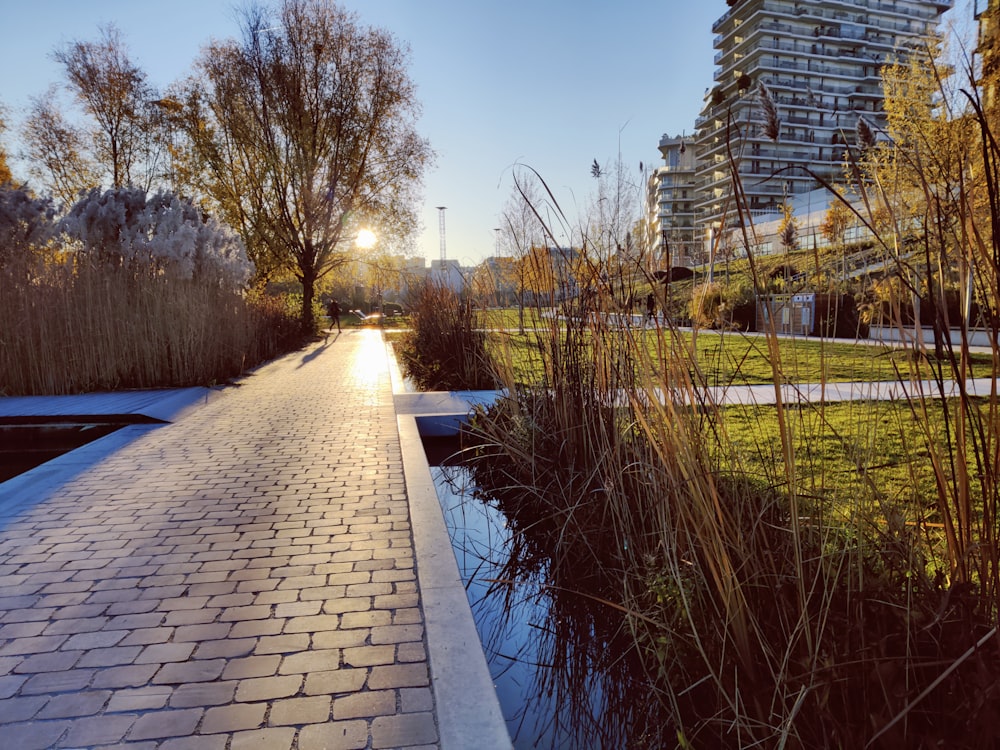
(393, 310)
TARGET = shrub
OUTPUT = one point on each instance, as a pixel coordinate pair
(444, 350)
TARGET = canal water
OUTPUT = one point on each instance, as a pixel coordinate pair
(564, 664)
(31, 441)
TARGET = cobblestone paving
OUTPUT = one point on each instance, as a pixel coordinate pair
(241, 579)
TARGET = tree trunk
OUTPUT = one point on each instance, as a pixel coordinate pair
(308, 292)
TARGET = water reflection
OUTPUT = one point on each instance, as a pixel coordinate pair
(563, 662)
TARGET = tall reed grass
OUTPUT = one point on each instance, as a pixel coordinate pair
(444, 349)
(72, 328)
(781, 607)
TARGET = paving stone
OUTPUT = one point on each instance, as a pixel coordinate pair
(35, 645)
(34, 735)
(197, 742)
(365, 705)
(58, 682)
(264, 739)
(398, 676)
(140, 699)
(58, 661)
(191, 616)
(95, 639)
(203, 694)
(202, 632)
(110, 657)
(331, 639)
(10, 684)
(314, 660)
(130, 622)
(312, 624)
(68, 706)
(227, 648)
(282, 644)
(163, 724)
(211, 589)
(79, 612)
(299, 711)
(268, 688)
(411, 616)
(403, 729)
(27, 615)
(291, 609)
(132, 608)
(335, 681)
(204, 670)
(121, 677)
(97, 730)
(396, 634)
(236, 614)
(21, 709)
(147, 636)
(233, 718)
(277, 597)
(413, 700)
(22, 629)
(366, 656)
(162, 653)
(252, 666)
(336, 735)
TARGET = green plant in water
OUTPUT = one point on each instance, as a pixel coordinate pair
(444, 349)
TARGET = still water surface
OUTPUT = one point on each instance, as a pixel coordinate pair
(564, 665)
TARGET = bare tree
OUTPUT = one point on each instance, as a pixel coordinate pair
(57, 152)
(523, 228)
(306, 127)
(5, 175)
(113, 91)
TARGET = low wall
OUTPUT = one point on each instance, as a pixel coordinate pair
(977, 336)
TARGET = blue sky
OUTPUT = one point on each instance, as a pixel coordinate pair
(553, 84)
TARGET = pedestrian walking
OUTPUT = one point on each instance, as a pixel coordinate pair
(333, 309)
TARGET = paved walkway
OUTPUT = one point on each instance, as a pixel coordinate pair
(241, 578)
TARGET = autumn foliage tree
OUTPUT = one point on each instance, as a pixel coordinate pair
(788, 229)
(305, 130)
(115, 95)
(836, 222)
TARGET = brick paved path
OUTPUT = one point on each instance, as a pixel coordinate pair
(241, 579)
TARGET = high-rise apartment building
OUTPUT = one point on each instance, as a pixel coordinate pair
(989, 52)
(820, 60)
(670, 205)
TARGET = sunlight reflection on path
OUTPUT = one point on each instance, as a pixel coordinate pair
(371, 366)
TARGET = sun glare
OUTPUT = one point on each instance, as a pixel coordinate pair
(365, 239)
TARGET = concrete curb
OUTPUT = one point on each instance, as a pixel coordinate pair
(468, 709)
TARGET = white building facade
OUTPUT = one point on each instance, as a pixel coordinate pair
(670, 206)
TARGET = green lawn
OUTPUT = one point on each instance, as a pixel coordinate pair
(734, 358)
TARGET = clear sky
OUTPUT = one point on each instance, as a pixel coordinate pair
(553, 84)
